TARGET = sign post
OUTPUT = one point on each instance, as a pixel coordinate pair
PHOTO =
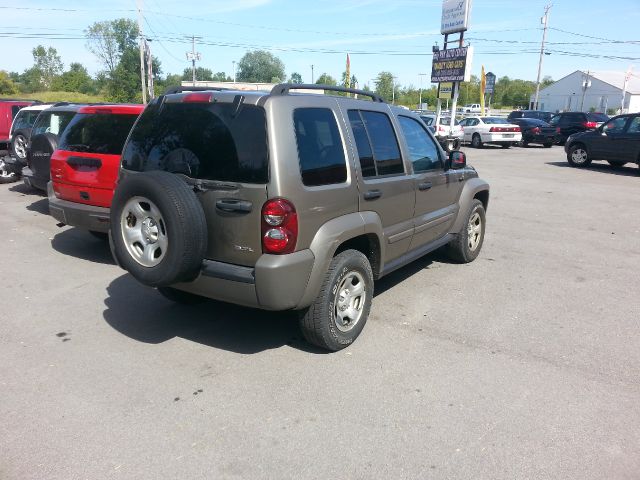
(453, 64)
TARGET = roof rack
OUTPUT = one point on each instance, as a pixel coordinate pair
(285, 88)
(35, 102)
(180, 89)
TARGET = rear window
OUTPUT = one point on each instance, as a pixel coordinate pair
(97, 133)
(210, 141)
(320, 149)
(494, 120)
(533, 121)
(597, 117)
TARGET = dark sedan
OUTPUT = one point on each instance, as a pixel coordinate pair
(535, 131)
(616, 141)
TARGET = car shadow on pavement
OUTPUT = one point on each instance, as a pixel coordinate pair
(402, 274)
(144, 315)
(20, 187)
(629, 170)
(78, 243)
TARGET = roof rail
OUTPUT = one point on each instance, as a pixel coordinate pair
(284, 88)
(180, 89)
(35, 102)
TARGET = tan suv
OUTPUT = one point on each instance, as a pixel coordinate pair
(288, 201)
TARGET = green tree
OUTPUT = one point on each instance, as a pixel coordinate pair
(76, 79)
(260, 66)
(384, 85)
(108, 40)
(295, 78)
(46, 65)
(326, 79)
(202, 74)
(221, 77)
(7, 85)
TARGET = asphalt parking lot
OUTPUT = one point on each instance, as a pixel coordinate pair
(522, 365)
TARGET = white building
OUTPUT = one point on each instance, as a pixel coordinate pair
(591, 91)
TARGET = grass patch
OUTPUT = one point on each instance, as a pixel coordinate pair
(48, 97)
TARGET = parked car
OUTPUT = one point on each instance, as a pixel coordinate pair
(288, 202)
(9, 108)
(11, 166)
(568, 123)
(472, 108)
(449, 138)
(538, 114)
(84, 167)
(494, 130)
(616, 141)
(535, 131)
(45, 133)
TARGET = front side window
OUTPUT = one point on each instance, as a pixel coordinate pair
(376, 142)
(615, 126)
(97, 133)
(52, 122)
(320, 151)
(209, 141)
(422, 150)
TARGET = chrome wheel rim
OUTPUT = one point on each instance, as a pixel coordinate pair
(579, 155)
(20, 147)
(474, 231)
(144, 231)
(349, 301)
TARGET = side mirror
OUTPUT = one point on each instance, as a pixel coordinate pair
(457, 160)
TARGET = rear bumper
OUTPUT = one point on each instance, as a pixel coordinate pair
(501, 138)
(78, 215)
(539, 138)
(277, 282)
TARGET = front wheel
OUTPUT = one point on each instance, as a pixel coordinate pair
(578, 156)
(466, 246)
(339, 313)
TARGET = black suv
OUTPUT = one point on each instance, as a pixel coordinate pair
(544, 116)
(568, 123)
(617, 142)
(44, 140)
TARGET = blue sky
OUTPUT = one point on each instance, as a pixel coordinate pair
(391, 35)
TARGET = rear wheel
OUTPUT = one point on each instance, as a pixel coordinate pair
(506, 145)
(476, 141)
(578, 156)
(548, 145)
(339, 313)
(19, 146)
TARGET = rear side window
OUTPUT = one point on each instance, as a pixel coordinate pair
(210, 141)
(25, 119)
(320, 149)
(376, 140)
(52, 122)
(597, 117)
(97, 133)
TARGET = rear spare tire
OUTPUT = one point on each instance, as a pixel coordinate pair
(158, 228)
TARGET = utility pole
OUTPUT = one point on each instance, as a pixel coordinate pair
(234, 70)
(586, 83)
(193, 56)
(624, 88)
(545, 21)
(141, 41)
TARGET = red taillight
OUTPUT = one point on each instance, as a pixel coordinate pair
(197, 98)
(536, 130)
(494, 129)
(279, 226)
(589, 124)
(558, 130)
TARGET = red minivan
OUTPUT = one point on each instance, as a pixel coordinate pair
(84, 168)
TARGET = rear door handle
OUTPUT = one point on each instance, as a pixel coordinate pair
(425, 186)
(233, 205)
(372, 194)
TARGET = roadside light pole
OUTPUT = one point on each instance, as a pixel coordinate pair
(393, 93)
(142, 74)
(312, 79)
(545, 21)
(234, 71)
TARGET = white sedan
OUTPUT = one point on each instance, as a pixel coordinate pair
(495, 130)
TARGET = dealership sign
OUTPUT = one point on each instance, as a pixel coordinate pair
(445, 90)
(455, 16)
(491, 83)
(451, 65)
